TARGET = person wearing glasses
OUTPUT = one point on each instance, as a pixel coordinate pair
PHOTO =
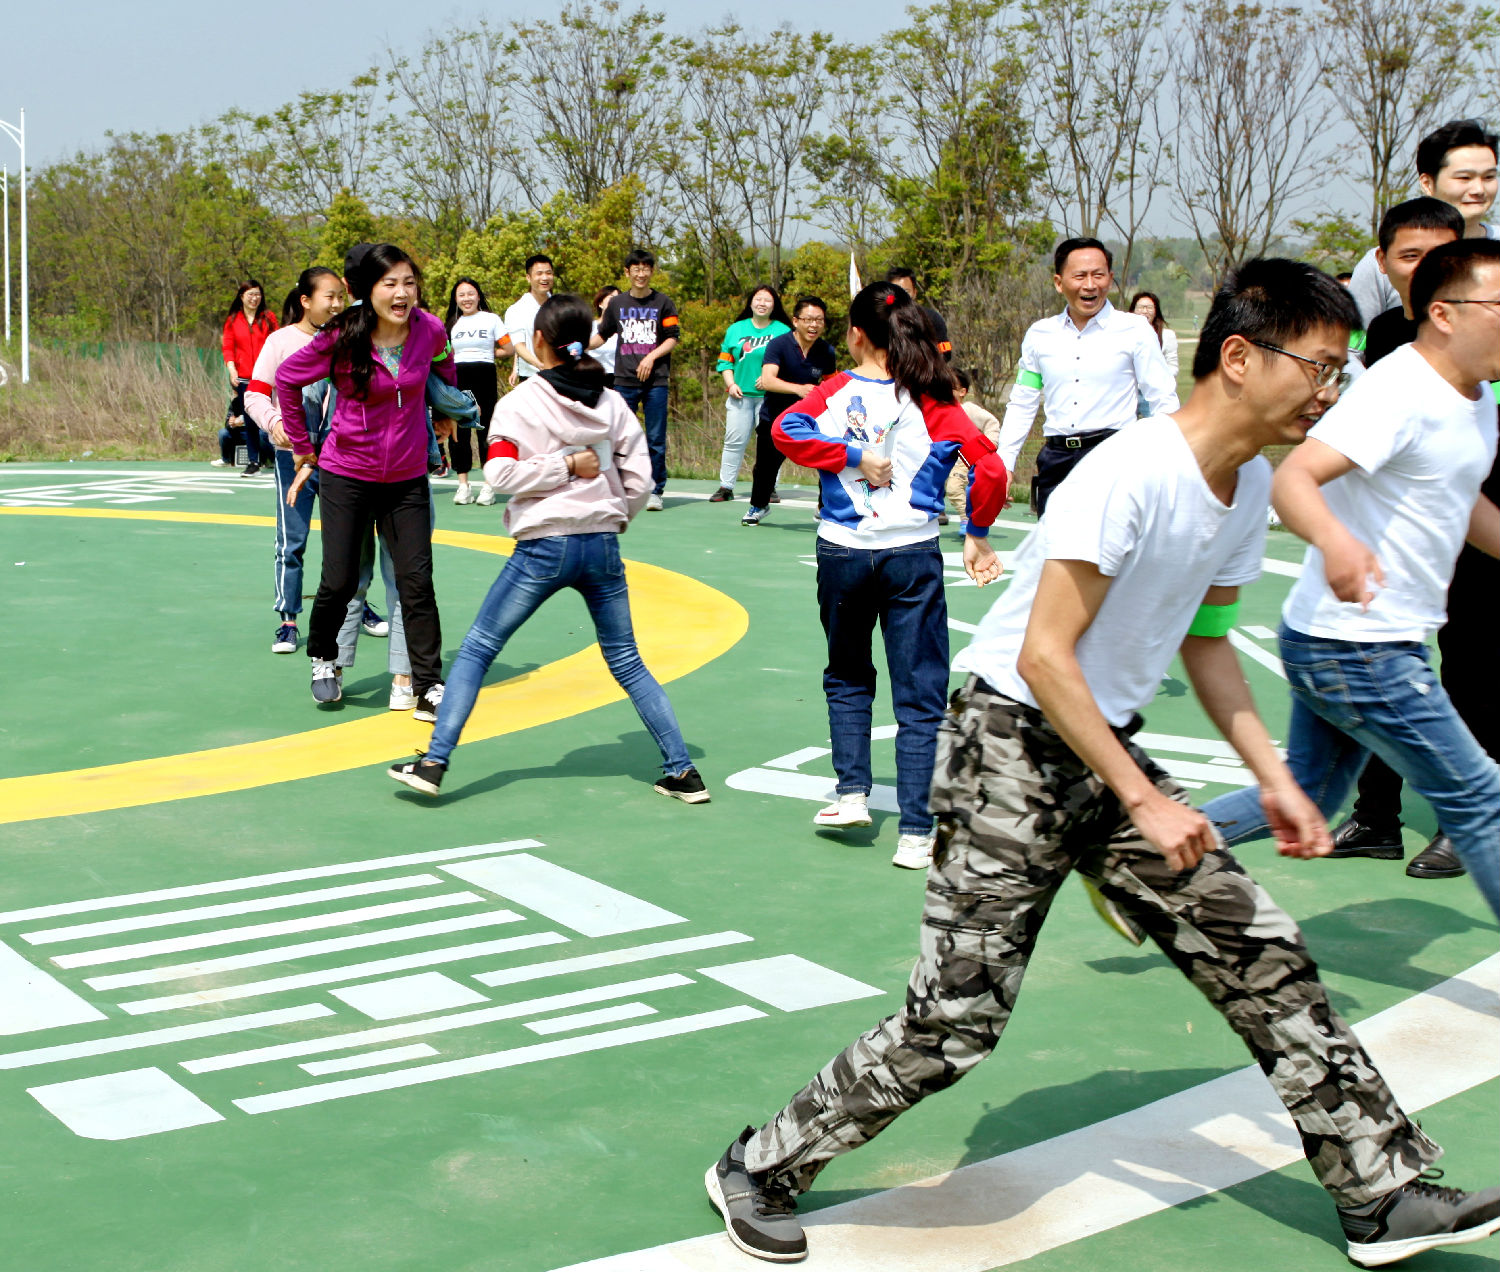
(1090, 365)
(1386, 490)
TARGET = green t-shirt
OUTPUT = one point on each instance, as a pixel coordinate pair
(743, 349)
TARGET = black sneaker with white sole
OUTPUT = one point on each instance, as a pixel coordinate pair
(420, 774)
(1418, 1216)
(428, 702)
(327, 682)
(688, 787)
(760, 1218)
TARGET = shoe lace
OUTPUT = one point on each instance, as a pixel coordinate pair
(1426, 1185)
(435, 695)
(775, 1200)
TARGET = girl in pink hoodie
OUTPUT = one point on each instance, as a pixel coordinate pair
(573, 459)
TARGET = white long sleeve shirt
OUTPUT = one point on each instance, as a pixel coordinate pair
(1088, 380)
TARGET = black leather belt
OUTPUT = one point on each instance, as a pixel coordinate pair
(1078, 441)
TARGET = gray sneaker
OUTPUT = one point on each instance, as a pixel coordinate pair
(327, 682)
(760, 1218)
(1418, 1216)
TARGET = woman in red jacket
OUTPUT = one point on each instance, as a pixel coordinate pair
(246, 327)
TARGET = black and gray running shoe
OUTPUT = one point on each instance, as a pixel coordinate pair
(428, 702)
(420, 774)
(327, 682)
(1418, 1216)
(760, 1218)
(687, 786)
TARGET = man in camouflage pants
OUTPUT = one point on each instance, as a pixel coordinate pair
(1037, 776)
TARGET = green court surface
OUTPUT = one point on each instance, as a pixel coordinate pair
(310, 1020)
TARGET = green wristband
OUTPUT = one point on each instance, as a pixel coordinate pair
(1028, 379)
(1215, 620)
(1357, 340)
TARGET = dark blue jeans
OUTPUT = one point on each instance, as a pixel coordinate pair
(902, 590)
(591, 565)
(654, 397)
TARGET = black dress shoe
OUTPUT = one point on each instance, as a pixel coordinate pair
(1355, 839)
(1436, 861)
(722, 495)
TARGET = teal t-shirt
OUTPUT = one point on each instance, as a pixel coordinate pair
(743, 349)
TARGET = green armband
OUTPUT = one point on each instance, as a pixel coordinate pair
(1357, 341)
(1028, 379)
(1215, 620)
(1495, 389)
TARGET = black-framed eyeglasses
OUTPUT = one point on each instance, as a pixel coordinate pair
(1325, 374)
(1458, 300)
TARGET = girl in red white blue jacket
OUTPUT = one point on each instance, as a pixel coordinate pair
(885, 437)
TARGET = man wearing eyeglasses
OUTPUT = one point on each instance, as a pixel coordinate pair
(1386, 490)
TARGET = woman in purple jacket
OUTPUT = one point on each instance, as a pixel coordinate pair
(373, 465)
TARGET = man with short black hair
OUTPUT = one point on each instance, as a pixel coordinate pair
(520, 321)
(907, 282)
(1140, 557)
(1090, 364)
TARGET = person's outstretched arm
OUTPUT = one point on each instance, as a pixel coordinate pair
(1297, 494)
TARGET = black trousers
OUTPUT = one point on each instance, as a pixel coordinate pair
(1467, 645)
(1057, 459)
(400, 511)
(480, 380)
(767, 468)
(253, 434)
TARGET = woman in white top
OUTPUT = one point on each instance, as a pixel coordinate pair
(1149, 307)
(604, 355)
(475, 334)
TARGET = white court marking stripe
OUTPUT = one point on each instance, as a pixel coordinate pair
(259, 931)
(808, 786)
(583, 1019)
(136, 922)
(1259, 632)
(263, 880)
(797, 759)
(1178, 1149)
(959, 626)
(613, 958)
(563, 896)
(1290, 569)
(284, 953)
(434, 1024)
(33, 999)
(156, 1037)
(370, 1059)
(1254, 652)
(1186, 770)
(353, 971)
(299, 1096)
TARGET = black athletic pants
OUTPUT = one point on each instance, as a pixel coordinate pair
(480, 380)
(767, 465)
(400, 511)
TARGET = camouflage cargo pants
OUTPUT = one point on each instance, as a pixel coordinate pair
(1017, 810)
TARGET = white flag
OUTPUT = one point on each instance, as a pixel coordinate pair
(854, 284)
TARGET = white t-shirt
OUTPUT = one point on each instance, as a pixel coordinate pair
(475, 335)
(604, 355)
(1421, 451)
(1139, 508)
(520, 321)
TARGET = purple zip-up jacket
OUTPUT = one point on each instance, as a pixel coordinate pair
(382, 437)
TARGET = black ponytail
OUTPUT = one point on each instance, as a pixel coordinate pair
(566, 323)
(892, 321)
(292, 308)
(354, 348)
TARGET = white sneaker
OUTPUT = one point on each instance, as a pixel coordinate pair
(653, 504)
(847, 810)
(914, 852)
(486, 495)
(464, 494)
(217, 463)
(403, 697)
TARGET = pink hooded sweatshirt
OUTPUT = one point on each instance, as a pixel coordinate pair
(533, 430)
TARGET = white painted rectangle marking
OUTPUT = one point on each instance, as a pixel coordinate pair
(201, 913)
(1255, 653)
(408, 996)
(435, 1024)
(370, 1059)
(32, 999)
(808, 786)
(790, 982)
(1259, 632)
(583, 1019)
(611, 958)
(354, 971)
(118, 1106)
(300, 1096)
(798, 758)
(306, 949)
(563, 896)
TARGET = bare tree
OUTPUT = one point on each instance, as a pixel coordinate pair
(1249, 135)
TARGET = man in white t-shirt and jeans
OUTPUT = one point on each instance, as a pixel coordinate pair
(1386, 491)
(1139, 556)
(520, 318)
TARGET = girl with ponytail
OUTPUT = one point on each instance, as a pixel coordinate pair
(574, 461)
(885, 437)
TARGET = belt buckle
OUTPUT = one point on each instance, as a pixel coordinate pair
(1073, 442)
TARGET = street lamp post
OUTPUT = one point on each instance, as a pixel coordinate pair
(5, 218)
(17, 133)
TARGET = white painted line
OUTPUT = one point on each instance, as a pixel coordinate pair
(135, 923)
(435, 1024)
(1155, 742)
(300, 1096)
(159, 1037)
(1177, 1150)
(790, 982)
(957, 626)
(1288, 569)
(1186, 771)
(263, 880)
(118, 1106)
(612, 958)
(32, 999)
(798, 758)
(353, 971)
(563, 896)
(1256, 654)
(1259, 632)
(305, 949)
(259, 931)
(408, 996)
(883, 732)
(808, 786)
(370, 1059)
(583, 1019)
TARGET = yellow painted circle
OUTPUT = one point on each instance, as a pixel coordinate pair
(680, 624)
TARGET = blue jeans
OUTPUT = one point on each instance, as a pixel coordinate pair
(591, 565)
(902, 590)
(1350, 700)
(655, 412)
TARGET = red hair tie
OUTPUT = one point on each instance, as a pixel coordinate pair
(890, 298)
